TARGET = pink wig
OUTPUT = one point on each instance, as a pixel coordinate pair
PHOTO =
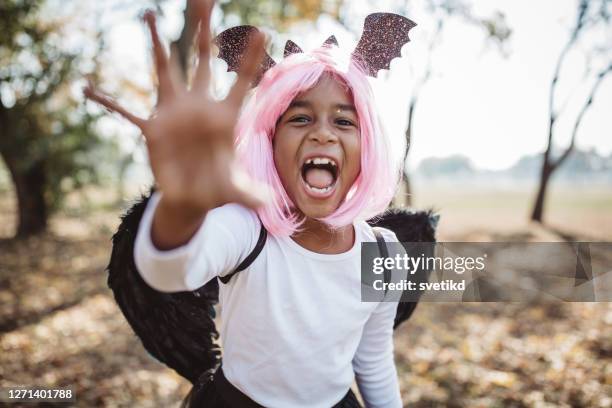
(380, 170)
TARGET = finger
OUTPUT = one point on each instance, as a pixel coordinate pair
(165, 83)
(202, 75)
(109, 103)
(248, 199)
(249, 68)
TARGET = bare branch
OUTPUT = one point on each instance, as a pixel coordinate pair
(588, 103)
(552, 115)
(421, 83)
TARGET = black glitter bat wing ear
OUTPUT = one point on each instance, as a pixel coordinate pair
(232, 45)
(291, 48)
(331, 40)
(384, 35)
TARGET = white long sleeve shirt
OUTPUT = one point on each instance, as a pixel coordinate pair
(294, 330)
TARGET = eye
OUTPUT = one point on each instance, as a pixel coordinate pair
(300, 119)
(344, 122)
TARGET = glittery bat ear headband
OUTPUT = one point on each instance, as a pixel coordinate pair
(383, 36)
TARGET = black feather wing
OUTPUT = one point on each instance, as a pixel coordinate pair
(177, 329)
(408, 226)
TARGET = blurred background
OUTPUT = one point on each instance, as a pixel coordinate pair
(503, 111)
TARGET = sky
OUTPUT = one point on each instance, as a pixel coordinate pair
(479, 103)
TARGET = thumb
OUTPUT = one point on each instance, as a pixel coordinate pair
(248, 192)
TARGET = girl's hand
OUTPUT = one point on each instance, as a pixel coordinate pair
(190, 136)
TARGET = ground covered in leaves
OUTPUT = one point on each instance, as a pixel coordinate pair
(507, 355)
(59, 326)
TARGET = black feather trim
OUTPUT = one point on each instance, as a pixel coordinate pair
(408, 226)
(176, 328)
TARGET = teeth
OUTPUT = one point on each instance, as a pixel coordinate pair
(319, 190)
(321, 160)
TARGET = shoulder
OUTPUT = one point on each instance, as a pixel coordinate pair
(233, 223)
(233, 210)
(233, 215)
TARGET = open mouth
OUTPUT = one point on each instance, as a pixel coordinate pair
(320, 174)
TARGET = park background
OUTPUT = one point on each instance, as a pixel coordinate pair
(507, 109)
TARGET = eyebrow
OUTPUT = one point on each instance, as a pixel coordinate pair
(306, 104)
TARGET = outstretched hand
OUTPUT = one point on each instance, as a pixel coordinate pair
(190, 136)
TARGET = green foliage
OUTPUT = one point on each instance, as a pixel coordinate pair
(278, 14)
(42, 121)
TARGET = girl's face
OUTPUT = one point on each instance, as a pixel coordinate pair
(317, 148)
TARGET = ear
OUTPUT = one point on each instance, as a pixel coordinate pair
(232, 45)
(331, 40)
(291, 48)
(384, 35)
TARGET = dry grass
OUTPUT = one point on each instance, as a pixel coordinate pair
(585, 213)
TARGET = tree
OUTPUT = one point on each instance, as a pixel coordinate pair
(279, 15)
(47, 139)
(441, 11)
(591, 15)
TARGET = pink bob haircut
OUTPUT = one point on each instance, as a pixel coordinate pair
(380, 170)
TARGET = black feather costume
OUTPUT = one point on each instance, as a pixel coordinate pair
(178, 329)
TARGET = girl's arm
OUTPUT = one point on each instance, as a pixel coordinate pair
(218, 245)
(190, 135)
(374, 364)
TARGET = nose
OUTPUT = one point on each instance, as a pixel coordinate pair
(322, 134)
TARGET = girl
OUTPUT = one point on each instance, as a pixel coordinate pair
(304, 160)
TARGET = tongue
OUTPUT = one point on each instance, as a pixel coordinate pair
(319, 178)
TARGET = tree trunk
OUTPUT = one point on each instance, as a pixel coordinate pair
(183, 44)
(538, 208)
(29, 187)
(405, 188)
(408, 187)
(402, 195)
(405, 191)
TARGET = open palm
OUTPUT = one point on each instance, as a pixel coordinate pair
(190, 136)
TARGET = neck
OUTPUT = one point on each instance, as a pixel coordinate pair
(318, 237)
